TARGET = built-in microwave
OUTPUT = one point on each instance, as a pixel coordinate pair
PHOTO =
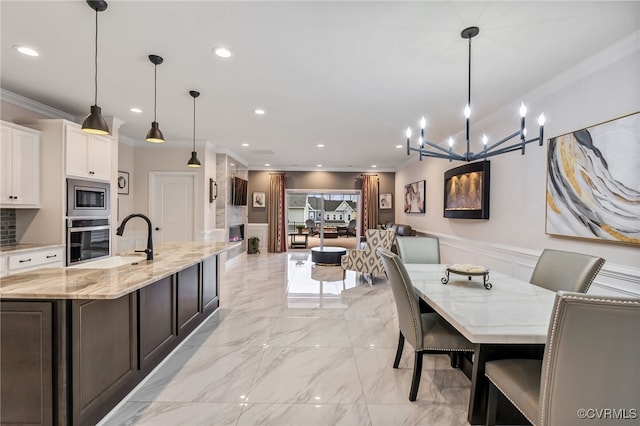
(87, 198)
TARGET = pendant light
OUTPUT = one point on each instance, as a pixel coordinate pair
(154, 134)
(95, 123)
(193, 161)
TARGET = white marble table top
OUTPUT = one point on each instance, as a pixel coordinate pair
(512, 312)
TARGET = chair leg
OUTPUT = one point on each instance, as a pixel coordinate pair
(455, 359)
(492, 404)
(417, 372)
(399, 351)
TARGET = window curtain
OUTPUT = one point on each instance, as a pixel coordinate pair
(369, 203)
(276, 214)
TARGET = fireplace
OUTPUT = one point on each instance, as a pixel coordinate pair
(236, 232)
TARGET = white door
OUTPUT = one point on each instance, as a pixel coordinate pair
(171, 206)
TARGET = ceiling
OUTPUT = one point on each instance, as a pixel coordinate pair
(349, 75)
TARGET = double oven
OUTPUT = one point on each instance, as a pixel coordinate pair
(88, 221)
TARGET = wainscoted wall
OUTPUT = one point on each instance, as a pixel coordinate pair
(519, 262)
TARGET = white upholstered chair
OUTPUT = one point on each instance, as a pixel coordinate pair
(590, 363)
(366, 260)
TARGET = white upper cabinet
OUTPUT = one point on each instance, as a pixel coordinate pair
(19, 167)
(87, 156)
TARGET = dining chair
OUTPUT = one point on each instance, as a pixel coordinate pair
(311, 226)
(365, 260)
(426, 332)
(564, 270)
(590, 363)
(418, 249)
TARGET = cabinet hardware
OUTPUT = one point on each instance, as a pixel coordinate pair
(52, 255)
(25, 260)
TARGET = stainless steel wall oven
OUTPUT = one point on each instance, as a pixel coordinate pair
(87, 239)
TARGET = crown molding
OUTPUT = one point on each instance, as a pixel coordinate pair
(33, 106)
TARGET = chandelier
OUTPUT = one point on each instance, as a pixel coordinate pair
(427, 148)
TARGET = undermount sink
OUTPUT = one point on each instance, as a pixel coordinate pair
(111, 262)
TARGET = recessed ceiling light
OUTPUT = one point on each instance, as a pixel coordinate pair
(222, 52)
(258, 111)
(399, 146)
(245, 144)
(319, 165)
(136, 110)
(374, 166)
(267, 164)
(25, 50)
(320, 145)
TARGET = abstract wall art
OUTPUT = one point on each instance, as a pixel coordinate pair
(593, 182)
(414, 201)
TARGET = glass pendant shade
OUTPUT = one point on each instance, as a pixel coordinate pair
(154, 134)
(193, 161)
(95, 122)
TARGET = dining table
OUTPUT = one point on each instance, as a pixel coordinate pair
(508, 320)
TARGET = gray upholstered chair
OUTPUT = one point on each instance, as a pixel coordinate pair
(311, 226)
(427, 333)
(366, 260)
(418, 249)
(564, 270)
(590, 362)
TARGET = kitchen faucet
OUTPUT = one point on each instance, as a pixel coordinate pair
(149, 249)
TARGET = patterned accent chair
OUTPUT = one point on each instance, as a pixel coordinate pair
(366, 260)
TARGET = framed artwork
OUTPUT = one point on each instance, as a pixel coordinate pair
(259, 199)
(466, 191)
(414, 201)
(385, 201)
(593, 182)
(123, 183)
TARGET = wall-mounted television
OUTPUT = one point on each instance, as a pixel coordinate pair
(466, 191)
(239, 191)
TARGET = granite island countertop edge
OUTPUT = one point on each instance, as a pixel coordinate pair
(110, 283)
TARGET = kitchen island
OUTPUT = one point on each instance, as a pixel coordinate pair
(76, 340)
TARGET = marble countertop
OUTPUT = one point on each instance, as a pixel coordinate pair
(109, 283)
(17, 248)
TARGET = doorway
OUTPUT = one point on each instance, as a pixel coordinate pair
(329, 218)
(171, 205)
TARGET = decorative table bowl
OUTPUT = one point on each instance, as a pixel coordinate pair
(470, 271)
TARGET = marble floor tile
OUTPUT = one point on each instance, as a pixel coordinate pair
(175, 413)
(307, 375)
(287, 348)
(305, 414)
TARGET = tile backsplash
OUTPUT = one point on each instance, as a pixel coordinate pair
(7, 226)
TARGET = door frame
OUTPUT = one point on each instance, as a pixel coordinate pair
(152, 182)
(323, 192)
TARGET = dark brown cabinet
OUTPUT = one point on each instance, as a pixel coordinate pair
(157, 315)
(104, 354)
(71, 361)
(188, 295)
(26, 352)
(210, 285)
